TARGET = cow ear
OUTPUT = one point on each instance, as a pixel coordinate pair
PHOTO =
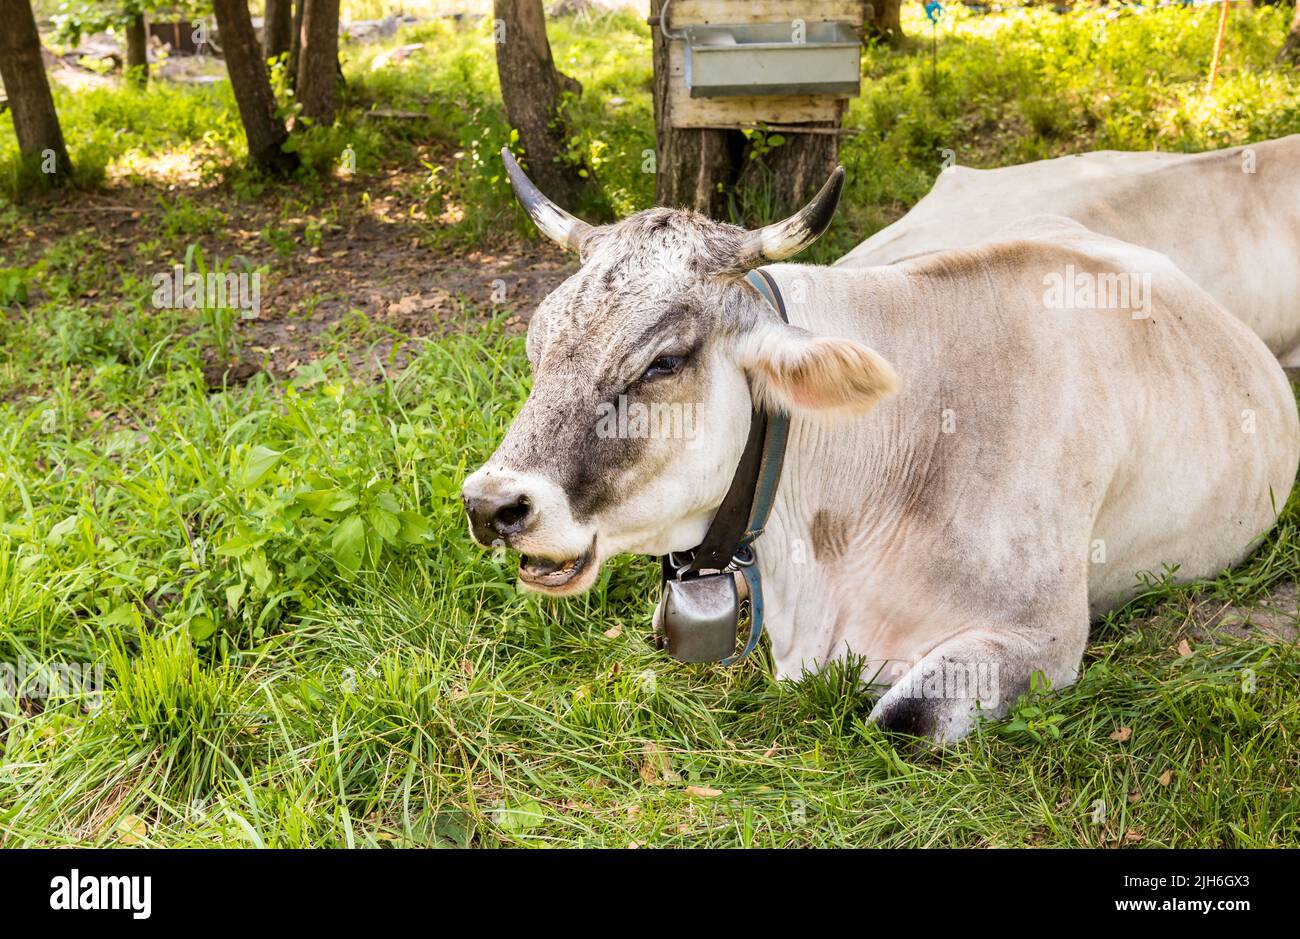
(798, 372)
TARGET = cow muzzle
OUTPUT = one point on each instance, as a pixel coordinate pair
(496, 515)
(531, 515)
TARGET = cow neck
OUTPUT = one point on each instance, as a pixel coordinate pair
(728, 545)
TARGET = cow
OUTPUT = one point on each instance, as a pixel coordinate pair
(1229, 218)
(986, 447)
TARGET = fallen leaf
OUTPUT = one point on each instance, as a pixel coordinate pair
(657, 767)
(1132, 836)
(1166, 777)
(131, 830)
(703, 792)
(1184, 648)
(614, 631)
(1121, 734)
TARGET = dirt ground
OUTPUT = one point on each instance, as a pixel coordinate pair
(374, 271)
(1274, 618)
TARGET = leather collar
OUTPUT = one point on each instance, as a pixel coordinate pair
(728, 544)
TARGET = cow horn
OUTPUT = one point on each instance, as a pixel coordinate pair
(783, 239)
(555, 223)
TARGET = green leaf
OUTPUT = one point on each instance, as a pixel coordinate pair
(386, 524)
(202, 627)
(124, 615)
(60, 530)
(415, 528)
(239, 545)
(522, 816)
(327, 501)
(255, 566)
(260, 461)
(347, 544)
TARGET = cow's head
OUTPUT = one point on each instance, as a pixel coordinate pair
(646, 365)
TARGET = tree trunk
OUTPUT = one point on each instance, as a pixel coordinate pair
(782, 180)
(137, 51)
(532, 90)
(265, 132)
(295, 43)
(278, 31)
(884, 21)
(1290, 51)
(317, 86)
(701, 169)
(40, 141)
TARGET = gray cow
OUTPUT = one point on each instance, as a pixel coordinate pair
(986, 445)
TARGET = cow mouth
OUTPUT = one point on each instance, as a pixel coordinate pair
(551, 574)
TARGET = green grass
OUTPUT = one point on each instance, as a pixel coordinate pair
(301, 646)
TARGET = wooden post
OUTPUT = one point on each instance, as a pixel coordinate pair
(1218, 45)
(704, 160)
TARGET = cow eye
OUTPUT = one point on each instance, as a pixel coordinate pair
(663, 366)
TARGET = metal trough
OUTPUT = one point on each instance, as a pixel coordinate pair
(764, 59)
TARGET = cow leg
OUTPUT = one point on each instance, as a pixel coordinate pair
(979, 673)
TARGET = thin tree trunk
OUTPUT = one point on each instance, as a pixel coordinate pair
(278, 31)
(137, 51)
(317, 86)
(883, 21)
(40, 140)
(1290, 51)
(295, 42)
(265, 132)
(532, 90)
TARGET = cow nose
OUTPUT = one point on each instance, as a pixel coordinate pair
(497, 515)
